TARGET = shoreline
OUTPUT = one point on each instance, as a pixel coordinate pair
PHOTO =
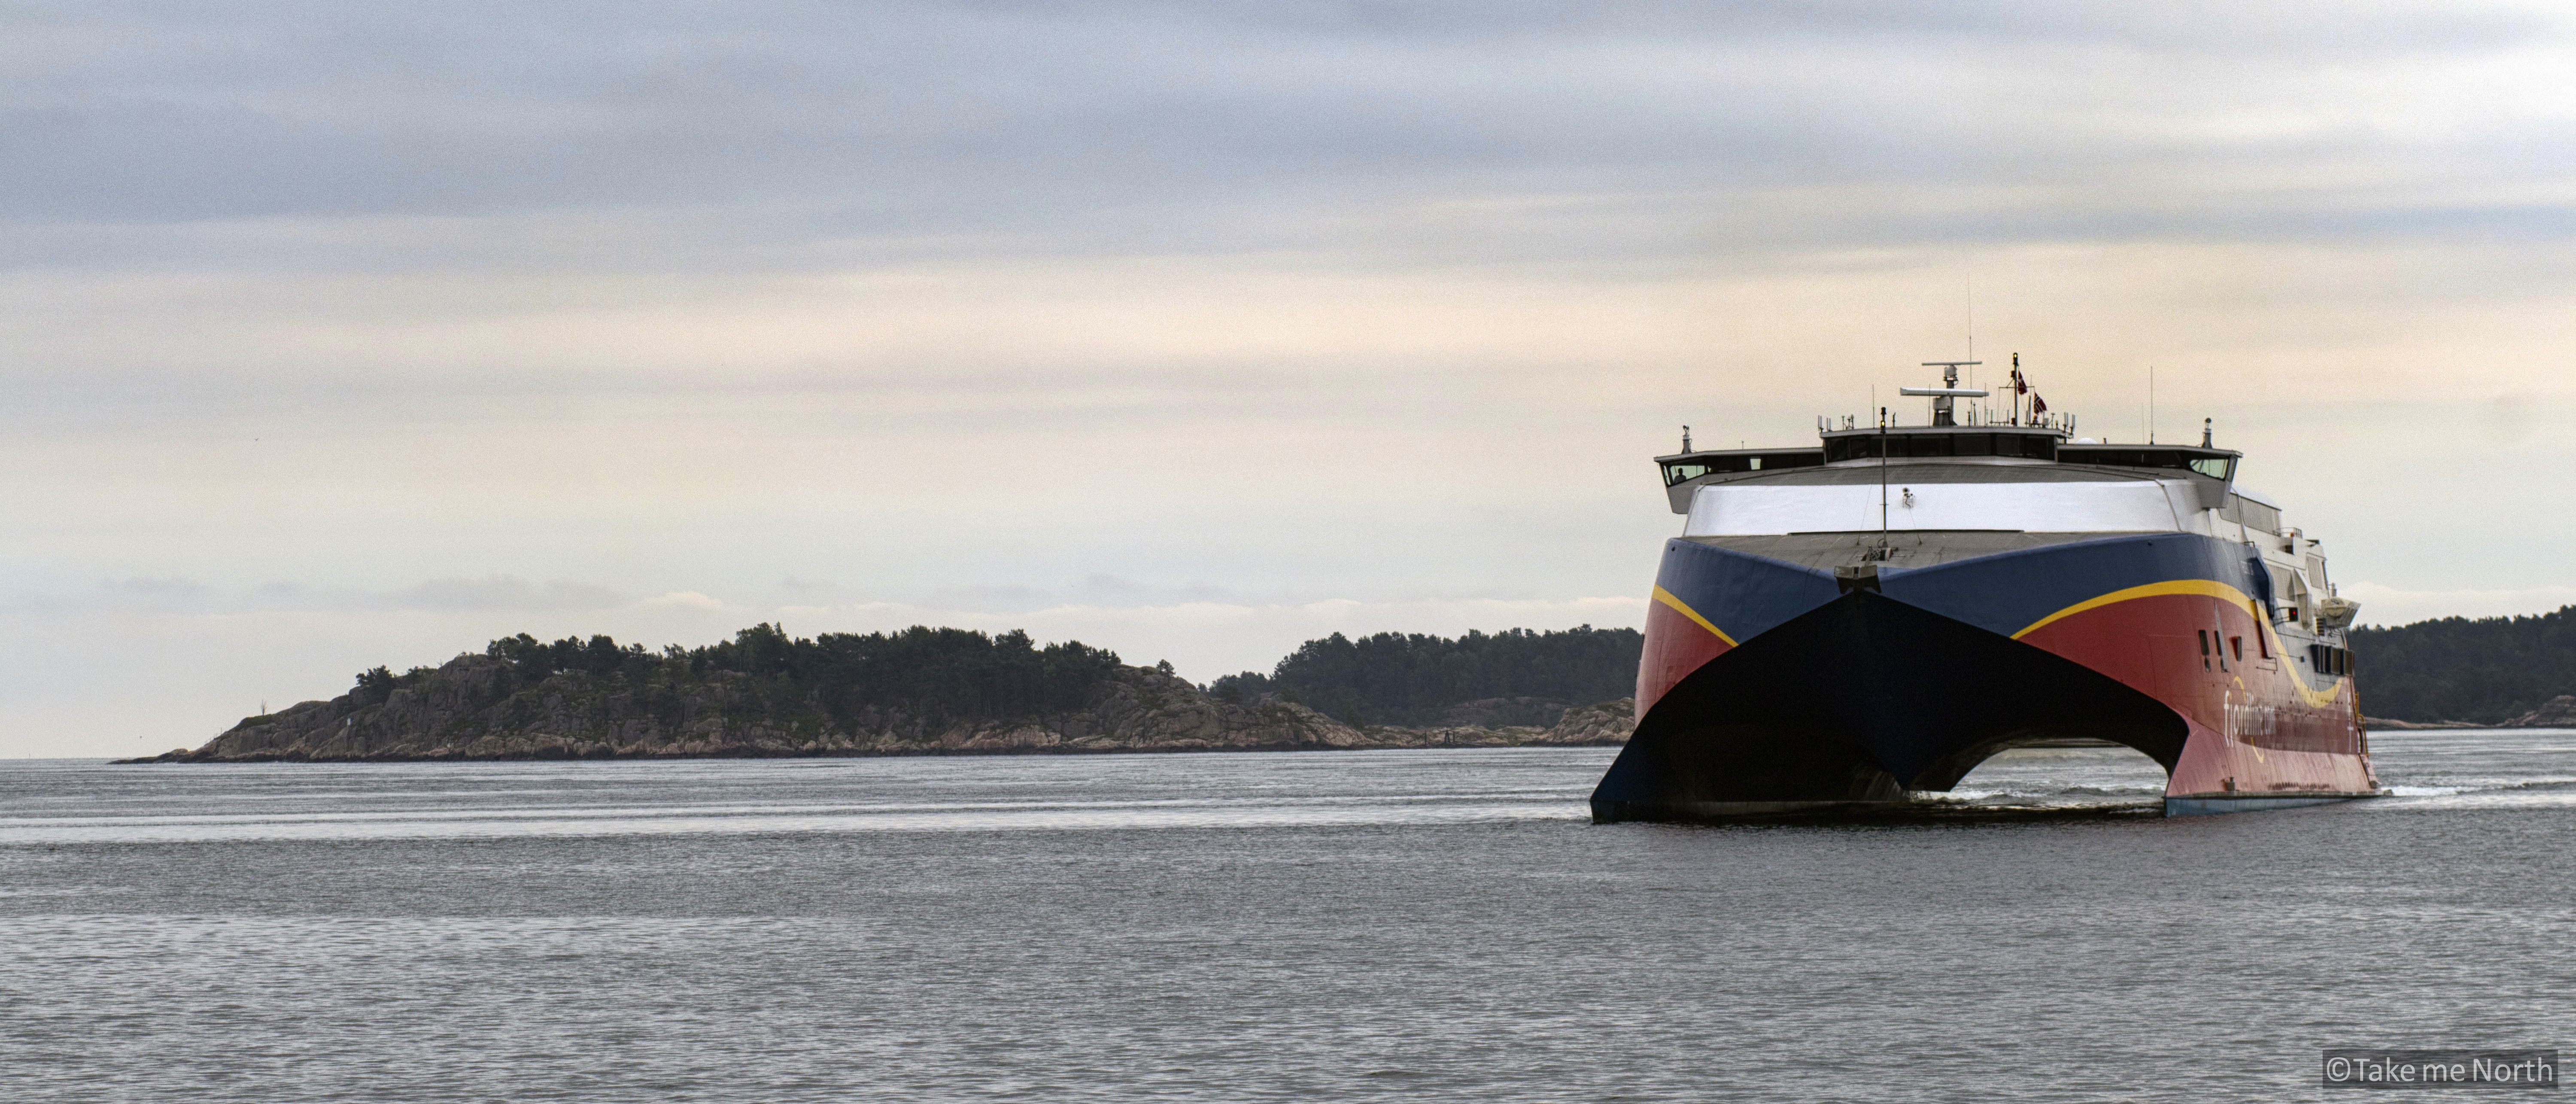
(562, 755)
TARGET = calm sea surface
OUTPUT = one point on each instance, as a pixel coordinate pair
(1337, 926)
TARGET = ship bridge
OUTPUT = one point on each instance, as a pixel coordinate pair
(1955, 478)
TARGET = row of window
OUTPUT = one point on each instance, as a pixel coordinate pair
(2325, 659)
(2123, 456)
(2211, 646)
(1742, 462)
(2031, 446)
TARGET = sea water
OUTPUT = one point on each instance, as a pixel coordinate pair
(1439, 925)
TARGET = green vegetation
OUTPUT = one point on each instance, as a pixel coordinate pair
(1398, 678)
(941, 676)
(936, 675)
(2456, 669)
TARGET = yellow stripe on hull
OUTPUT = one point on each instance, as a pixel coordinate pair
(2207, 588)
(1666, 597)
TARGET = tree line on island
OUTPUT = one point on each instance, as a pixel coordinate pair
(938, 675)
(958, 675)
(2488, 670)
(1414, 679)
(936, 691)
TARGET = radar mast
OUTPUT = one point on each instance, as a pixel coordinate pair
(1948, 392)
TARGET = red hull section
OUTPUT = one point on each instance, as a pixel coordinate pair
(2257, 728)
(1677, 643)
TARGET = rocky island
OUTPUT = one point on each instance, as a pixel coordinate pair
(922, 691)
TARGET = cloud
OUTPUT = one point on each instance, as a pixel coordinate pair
(683, 600)
(501, 592)
(1197, 330)
(1095, 590)
(164, 593)
(989, 598)
(492, 593)
(790, 134)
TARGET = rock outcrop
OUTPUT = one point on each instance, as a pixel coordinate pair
(2557, 712)
(474, 708)
(1605, 724)
(2376, 724)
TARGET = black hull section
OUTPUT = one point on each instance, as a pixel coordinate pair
(1854, 704)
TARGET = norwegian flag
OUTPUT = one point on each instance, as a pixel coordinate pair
(2020, 385)
(2038, 405)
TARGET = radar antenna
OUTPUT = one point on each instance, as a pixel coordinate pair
(1948, 392)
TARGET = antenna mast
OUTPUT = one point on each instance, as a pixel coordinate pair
(1882, 482)
(1972, 315)
(1972, 331)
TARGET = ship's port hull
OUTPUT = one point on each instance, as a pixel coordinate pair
(1768, 687)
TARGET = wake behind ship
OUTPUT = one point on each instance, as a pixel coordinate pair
(1852, 624)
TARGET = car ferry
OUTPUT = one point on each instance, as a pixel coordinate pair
(1860, 621)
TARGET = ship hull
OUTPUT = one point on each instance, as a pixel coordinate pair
(1769, 686)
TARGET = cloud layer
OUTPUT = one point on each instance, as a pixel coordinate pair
(763, 134)
(340, 335)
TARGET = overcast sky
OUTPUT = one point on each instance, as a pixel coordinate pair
(338, 335)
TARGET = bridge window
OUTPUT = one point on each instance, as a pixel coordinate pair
(2030, 445)
(1683, 471)
(2171, 459)
(2034, 446)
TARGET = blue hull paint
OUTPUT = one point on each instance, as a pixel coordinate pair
(1746, 595)
(2010, 591)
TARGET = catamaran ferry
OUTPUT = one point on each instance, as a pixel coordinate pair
(1857, 622)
